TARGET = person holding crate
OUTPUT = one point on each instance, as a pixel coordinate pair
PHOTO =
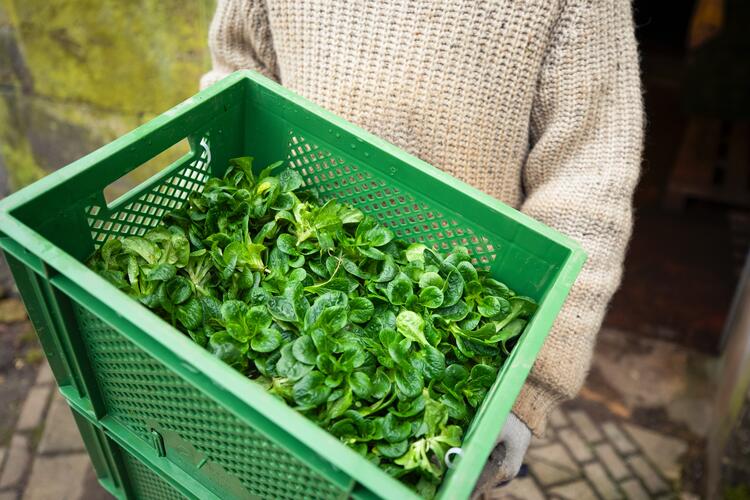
(537, 103)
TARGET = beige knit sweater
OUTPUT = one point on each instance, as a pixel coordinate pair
(536, 102)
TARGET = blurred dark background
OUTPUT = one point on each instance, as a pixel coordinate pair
(692, 229)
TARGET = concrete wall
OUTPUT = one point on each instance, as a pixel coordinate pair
(76, 74)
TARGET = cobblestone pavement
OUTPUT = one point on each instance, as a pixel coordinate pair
(45, 458)
(598, 446)
(582, 459)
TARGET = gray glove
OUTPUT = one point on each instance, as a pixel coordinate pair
(506, 459)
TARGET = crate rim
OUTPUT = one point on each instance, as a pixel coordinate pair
(67, 272)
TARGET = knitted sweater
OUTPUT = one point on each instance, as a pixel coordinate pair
(535, 102)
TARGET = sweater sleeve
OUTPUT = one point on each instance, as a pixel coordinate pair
(579, 176)
(240, 38)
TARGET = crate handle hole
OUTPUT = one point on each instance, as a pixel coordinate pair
(178, 152)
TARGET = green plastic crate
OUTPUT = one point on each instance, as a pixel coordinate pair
(193, 421)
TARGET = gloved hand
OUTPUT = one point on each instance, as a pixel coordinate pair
(506, 459)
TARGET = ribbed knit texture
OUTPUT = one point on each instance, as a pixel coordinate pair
(535, 102)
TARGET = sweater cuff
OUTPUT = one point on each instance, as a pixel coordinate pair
(534, 404)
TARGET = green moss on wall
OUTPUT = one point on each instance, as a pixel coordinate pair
(17, 157)
(76, 74)
(139, 56)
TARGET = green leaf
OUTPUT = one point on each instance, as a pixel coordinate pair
(351, 358)
(431, 297)
(135, 245)
(467, 271)
(177, 291)
(410, 408)
(496, 288)
(256, 319)
(266, 340)
(288, 366)
(395, 431)
(233, 311)
(361, 310)
(453, 289)
(399, 289)
(282, 309)
(338, 405)
(491, 306)
(415, 252)
(392, 450)
(290, 180)
(456, 312)
(433, 362)
(482, 375)
(411, 325)
(388, 271)
(287, 244)
(381, 384)
(361, 385)
(224, 347)
(353, 269)
(456, 407)
(323, 303)
(378, 236)
(455, 375)
(409, 381)
(190, 314)
(162, 272)
(332, 319)
(311, 391)
(429, 279)
(435, 417)
(304, 350)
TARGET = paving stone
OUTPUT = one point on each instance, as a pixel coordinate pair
(578, 490)
(33, 408)
(93, 489)
(654, 483)
(524, 488)
(664, 451)
(9, 495)
(550, 474)
(578, 447)
(558, 419)
(583, 423)
(44, 376)
(618, 438)
(17, 461)
(61, 477)
(60, 430)
(537, 441)
(552, 464)
(548, 438)
(612, 461)
(633, 490)
(598, 477)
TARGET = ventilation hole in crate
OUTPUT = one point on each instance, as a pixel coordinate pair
(147, 209)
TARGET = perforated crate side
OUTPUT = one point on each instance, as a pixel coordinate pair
(145, 211)
(141, 392)
(405, 211)
(145, 483)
